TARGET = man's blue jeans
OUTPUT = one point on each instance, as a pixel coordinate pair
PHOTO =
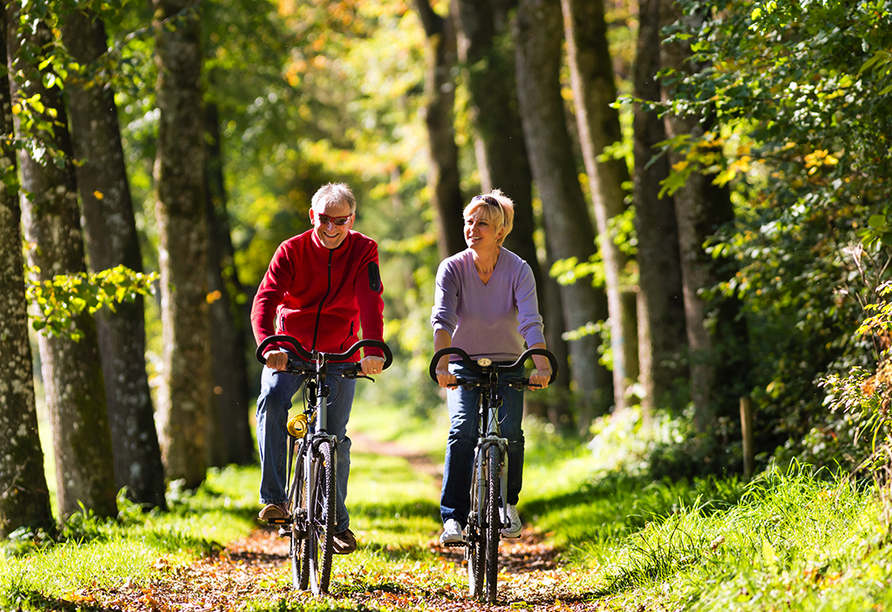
(455, 498)
(276, 391)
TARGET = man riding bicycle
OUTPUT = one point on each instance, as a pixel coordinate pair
(321, 287)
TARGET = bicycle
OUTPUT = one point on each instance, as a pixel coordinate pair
(489, 481)
(312, 466)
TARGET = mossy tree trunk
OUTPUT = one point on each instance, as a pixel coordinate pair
(110, 228)
(184, 397)
(72, 372)
(24, 495)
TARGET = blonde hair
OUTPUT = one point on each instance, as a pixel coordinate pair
(501, 217)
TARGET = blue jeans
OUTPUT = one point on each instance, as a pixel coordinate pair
(455, 498)
(276, 391)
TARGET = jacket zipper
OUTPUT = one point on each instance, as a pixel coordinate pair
(322, 302)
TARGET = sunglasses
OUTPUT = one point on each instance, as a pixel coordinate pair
(486, 200)
(325, 219)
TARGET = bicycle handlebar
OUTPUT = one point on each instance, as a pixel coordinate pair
(472, 364)
(308, 356)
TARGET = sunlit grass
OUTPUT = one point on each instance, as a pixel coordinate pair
(786, 541)
(107, 553)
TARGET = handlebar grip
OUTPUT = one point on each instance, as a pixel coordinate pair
(294, 342)
(451, 350)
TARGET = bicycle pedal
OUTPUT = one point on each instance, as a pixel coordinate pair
(453, 544)
(278, 521)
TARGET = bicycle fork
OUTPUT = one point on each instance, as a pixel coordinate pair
(481, 467)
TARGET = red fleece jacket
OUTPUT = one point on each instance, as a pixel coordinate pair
(321, 296)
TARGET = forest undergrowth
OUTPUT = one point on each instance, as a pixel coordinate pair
(594, 539)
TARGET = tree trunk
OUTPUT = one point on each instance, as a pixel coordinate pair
(716, 331)
(568, 227)
(661, 327)
(439, 87)
(24, 495)
(182, 228)
(487, 56)
(231, 441)
(499, 143)
(594, 90)
(112, 240)
(75, 393)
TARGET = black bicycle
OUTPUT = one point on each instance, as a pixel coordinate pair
(312, 463)
(489, 482)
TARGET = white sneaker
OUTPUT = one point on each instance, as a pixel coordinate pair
(514, 524)
(452, 534)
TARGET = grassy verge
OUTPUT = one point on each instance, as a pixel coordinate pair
(105, 553)
(790, 541)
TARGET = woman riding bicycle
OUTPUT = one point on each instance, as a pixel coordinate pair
(485, 304)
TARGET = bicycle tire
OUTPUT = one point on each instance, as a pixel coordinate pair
(299, 532)
(321, 528)
(474, 549)
(493, 522)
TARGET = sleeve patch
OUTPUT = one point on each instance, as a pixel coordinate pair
(374, 277)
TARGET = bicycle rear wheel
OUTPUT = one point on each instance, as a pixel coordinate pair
(321, 522)
(492, 522)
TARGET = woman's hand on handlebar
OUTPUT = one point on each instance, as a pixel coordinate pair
(445, 378)
(277, 360)
(372, 365)
(541, 377)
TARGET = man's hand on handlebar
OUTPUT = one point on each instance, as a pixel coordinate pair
(277, 360)
(372, 365)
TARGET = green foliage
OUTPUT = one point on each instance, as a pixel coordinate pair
(796, 97)
(61, 300)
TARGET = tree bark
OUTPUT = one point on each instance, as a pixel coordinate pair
(716, 331)
(75, 393)
(439, 88)
(661, 327)
(24, 495)
(231, 442)
(183, 403)
(112, 240)
(488, 64)
(568, 227)
(486, 53)
(594, 90)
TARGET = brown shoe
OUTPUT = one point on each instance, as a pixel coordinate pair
(273, 512)
(344, 543)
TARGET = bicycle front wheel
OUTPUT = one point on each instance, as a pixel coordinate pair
(492, 523)
(321, 521)
(297, 497)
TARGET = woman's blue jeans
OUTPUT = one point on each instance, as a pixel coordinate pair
(455, 498)
(276, 391)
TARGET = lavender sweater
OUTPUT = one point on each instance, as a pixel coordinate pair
(491, 320)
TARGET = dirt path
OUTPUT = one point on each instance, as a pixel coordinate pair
(251, 570)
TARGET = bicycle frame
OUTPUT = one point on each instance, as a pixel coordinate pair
(484, 522)
(315, 464)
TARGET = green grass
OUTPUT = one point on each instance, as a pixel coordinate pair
(787, 541)
(106, 553)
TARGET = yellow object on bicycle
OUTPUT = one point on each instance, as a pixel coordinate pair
(297, 425)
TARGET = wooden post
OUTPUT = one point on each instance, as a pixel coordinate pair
(746, 426)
